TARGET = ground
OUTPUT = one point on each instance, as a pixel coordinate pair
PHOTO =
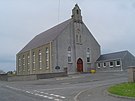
(78, 87)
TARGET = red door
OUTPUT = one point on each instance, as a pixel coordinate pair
(79, 65)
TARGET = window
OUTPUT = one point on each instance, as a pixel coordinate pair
(28, 62)
(19, 61)
(69, 59)
(111, 64)
(69, 55)
(19, 64)
(80, 40)
(33, 60)
(88, 55)
(104, 64)
(40, 59)
(23, 63)
(98, 65)
(88, 50)
(88, 59)
(77, 11)
(47, 58)
(117, 63)
(77, 40)
(69, 49)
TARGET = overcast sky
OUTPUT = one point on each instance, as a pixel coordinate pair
(112, 23)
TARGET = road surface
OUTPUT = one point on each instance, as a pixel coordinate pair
(79, 87)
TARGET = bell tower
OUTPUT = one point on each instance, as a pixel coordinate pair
(76, 14)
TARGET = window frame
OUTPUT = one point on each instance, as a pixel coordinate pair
(47, 57)
(88, 55)
(116, 63)
(110, 64)
(98, 65)
(104, 64)
(28, 62)
(33, 61)
(40, 59)
(69, 58)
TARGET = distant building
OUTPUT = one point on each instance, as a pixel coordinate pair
(117, 61)
(67, 45)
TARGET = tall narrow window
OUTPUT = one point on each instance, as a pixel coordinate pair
(19, 64)
(77, 40)
(77, 11)
(47, 58)
(80, 40)
(28, 62)
(33, 61)
(23, 63)
(69, 54)
(88, 55)
(40, 59)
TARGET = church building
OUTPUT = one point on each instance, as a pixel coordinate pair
(71, 47)
(68, 45)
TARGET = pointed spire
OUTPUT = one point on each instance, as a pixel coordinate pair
(76, 14)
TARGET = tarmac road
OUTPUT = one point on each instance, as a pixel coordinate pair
(79, 87)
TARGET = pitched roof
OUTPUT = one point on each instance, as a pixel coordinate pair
(45, 37)
(112, 56)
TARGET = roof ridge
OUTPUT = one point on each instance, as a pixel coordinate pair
(115, 52)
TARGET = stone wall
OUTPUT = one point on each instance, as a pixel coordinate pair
(131, 74)
(32, 76)
(51, 75)
(3, 77)
(22, 78)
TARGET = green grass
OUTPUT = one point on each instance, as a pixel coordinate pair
(123, 89)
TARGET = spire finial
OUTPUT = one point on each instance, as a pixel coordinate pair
(76, 14)
(76, 4)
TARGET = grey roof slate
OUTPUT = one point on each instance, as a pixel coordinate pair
(46, 37)
(112, 56)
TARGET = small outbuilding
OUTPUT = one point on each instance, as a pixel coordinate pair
(117, 61)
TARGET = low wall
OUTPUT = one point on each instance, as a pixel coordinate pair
(22, 78)
(131, 74)
(3, 77)
(51, 75)
(33, 76)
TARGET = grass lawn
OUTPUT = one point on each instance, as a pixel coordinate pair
(123, 89)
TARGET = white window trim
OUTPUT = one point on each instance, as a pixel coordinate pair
(70, 59)
(89, 59)
(104, 65)
(88, 55)
(110, 64)
(69, 55)
(116, 63)
(98, 65)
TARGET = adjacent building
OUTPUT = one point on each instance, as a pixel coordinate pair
(117, 61)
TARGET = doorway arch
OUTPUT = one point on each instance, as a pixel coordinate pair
(79, 65)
